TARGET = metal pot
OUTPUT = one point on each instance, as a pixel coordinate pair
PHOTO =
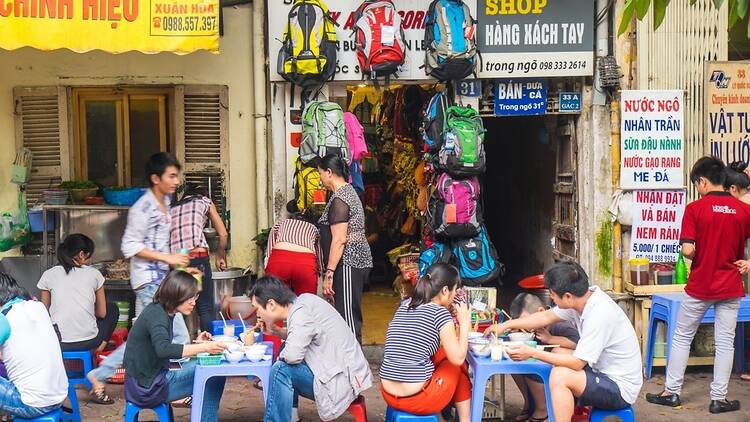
(212, 238)
(229, 283)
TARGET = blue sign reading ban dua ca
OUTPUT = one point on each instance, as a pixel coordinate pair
(520, 97)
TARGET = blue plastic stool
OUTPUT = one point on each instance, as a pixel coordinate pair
(75, 414)
(88, 365)
(393, 415)
(163, 411)
(666, 306)
(53, 416)
(627, 414)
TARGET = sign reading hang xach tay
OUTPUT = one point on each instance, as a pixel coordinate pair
(116, 26)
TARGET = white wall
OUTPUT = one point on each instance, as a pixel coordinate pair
(232, 67)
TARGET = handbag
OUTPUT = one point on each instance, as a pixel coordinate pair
(147, 397)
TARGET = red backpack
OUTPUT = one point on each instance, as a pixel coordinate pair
(380, 39)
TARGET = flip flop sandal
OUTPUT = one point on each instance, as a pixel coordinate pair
(186, 403)
(523, 416)
(745, 377)
(258, 385)
(539, 419)
(100, 397)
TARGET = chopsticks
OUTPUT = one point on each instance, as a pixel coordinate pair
(510, 318)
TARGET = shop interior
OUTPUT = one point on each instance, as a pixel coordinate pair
(517, 192)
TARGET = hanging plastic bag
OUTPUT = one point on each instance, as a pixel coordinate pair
(14, 226)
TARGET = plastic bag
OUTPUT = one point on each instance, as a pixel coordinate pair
(14, 226)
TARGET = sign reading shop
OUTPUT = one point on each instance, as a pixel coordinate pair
(532, 38)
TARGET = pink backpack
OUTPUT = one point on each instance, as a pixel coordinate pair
(453, 209)
(355, 134)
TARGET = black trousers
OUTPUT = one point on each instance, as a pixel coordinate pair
(348, 283)
(106, 327)
(205, 302)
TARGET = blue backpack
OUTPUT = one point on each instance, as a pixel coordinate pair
(450, 39)
(438, 253)
(433, 122)
(476, 259)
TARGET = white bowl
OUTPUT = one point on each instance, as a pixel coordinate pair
(254, 355)
(257, 348)
(475, 334)
(521, 336)
(481, 350)
(233, 356)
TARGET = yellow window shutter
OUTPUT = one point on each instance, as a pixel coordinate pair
(202, 136)
(42, 126)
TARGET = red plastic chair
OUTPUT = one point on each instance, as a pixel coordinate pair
(357, 409)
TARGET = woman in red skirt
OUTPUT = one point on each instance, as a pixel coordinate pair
(293, 253)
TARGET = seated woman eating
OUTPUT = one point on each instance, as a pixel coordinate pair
(423, 368)
(148, 380)
(74, 294)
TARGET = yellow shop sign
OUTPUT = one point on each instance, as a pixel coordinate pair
(116, 26)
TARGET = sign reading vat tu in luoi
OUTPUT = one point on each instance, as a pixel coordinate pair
(115, 26)
(652, 140)
(727, 121)
(657, 219)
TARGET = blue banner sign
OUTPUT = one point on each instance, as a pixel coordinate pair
(570, 102)
(520, 97)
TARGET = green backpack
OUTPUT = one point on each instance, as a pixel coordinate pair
(461, 152)
(323, 132)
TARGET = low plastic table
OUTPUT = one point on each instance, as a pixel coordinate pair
(485, 367)
(666, 306)
(244, 368)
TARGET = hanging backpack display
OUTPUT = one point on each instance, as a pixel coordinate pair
(323, 132)
(476, 259)
(308, 51)
(380, 39)
(453, 209)
(433, 122)
(355, 136)
(462, 151)
(309, 193)
(450, 39)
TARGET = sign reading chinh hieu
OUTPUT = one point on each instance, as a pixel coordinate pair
(115, 26)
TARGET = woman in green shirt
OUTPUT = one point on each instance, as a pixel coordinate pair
(148, 381)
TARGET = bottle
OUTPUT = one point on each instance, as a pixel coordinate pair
(680, 271)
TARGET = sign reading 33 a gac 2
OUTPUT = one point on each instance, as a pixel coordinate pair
(533, 38)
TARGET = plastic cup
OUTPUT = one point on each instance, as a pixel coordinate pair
(496, 352)
(229, 330)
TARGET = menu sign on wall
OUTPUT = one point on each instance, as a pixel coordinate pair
(652, 140)
(727, 124)
(532, 38)
(657, 217)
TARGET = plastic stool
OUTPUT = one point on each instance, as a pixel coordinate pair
(88, 365)
(53, 416)
(75, 411)
(393, 415)
(358, 409)
(163, 411)
(626, 415)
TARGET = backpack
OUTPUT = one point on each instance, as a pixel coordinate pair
(308, 48)
(462, 152)
(437, 253)
(450, 39)
(453, 208)
(355, 136)
(476, 259)
(433, 121)
(380, 38)
(309, 193)
(323, 132)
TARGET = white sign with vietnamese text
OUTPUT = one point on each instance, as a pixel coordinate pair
(653, 142)
(657, 219)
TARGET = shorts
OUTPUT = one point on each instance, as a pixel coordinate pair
(601, 392)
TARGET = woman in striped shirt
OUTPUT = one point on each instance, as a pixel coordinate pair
(293, 252)
(423, 369)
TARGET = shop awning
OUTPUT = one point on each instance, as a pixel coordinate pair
(115, 26)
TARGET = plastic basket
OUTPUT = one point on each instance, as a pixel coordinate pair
(125, 197)
(206, 359)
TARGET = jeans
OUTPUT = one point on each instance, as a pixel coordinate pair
(286, 383)
(205, 303)
(10, 402)
(688, 319)
(143, 297)
(181, 386)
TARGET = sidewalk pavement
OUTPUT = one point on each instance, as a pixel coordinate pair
(242, 402)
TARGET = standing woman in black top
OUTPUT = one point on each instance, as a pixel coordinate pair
(345, 248)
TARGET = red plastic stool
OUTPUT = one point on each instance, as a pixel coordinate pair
(276, 342)
(358, 410)
(581, 414)
(532, 282)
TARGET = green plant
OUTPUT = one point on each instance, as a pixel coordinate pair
(639, 8)
(261, 239)
(78, 184)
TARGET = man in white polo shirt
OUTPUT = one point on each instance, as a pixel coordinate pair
(604, 371)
